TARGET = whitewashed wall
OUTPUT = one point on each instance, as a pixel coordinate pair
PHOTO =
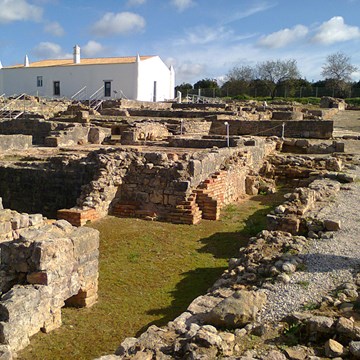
(124, 78)
(151, 70)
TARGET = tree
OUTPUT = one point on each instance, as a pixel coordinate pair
(337, 72)
(238, 80)
(273, 73)
(206, 84)
(183, 88)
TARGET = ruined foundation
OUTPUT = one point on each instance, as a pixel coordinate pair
(171, 162)
(44, 266)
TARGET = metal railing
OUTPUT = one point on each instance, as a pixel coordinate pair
(198, 99)
(7, 111)
(95, 98)
(79, 95)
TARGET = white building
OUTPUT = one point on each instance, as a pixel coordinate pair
(144, 78)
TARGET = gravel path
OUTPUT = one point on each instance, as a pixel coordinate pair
(328, 263)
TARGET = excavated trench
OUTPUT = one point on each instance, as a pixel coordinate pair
(149, 274)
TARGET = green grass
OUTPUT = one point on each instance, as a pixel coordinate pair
(149, 273)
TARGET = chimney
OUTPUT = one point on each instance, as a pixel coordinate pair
(76, 54)
(26, 61)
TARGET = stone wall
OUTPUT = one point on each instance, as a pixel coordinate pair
(304, 146)
(44, 186)
(319, 129)
(15, 142)
(39, 129)
(166, 186)
(43, 267)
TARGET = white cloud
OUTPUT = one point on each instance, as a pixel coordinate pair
(188, 71)
(256, 8)
(203, 35)
(119, 24)
(54, 28)
(283, 37)
(18, 10)
(92, 48)
(182, 5)
(49, 50)
(135, 2)
(335, 30)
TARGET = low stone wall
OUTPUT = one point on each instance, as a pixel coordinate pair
(43, 267)
(39, 129)
(327, 114)
(304, 146)
(15, 142)
(167, 185)
(287, 115)
(134, 104)
(199, 106)
(176, 113)
(318, 129)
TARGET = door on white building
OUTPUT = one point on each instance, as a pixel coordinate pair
(107, 88)
(155, 91)
(56, 88)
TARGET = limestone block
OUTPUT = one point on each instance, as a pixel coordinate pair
(24, 220)
(237, 310)
(5, 227)
(333, 349)
(53, 321)
(98, 135)
(157, 197)
(195, 168)
(35, 219)
(85, 241)
(203, 304)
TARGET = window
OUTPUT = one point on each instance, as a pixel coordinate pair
(107, 88)
(39, 81)
(56, 87)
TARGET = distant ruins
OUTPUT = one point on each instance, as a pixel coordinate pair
(158, 161)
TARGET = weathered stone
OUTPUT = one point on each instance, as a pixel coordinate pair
(274, 355)
(289, 267)
(332, 225)
(203, 304)
(333, 164)
(296, 353)
(126, 347)
(344, 325)
(333, 349)
(320, 324)
(354, 348)
(284, 278)
(208, 337)
(237, 310)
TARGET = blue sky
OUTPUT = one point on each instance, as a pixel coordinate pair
(200, 38)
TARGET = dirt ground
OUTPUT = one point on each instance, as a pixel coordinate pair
(347, 123)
